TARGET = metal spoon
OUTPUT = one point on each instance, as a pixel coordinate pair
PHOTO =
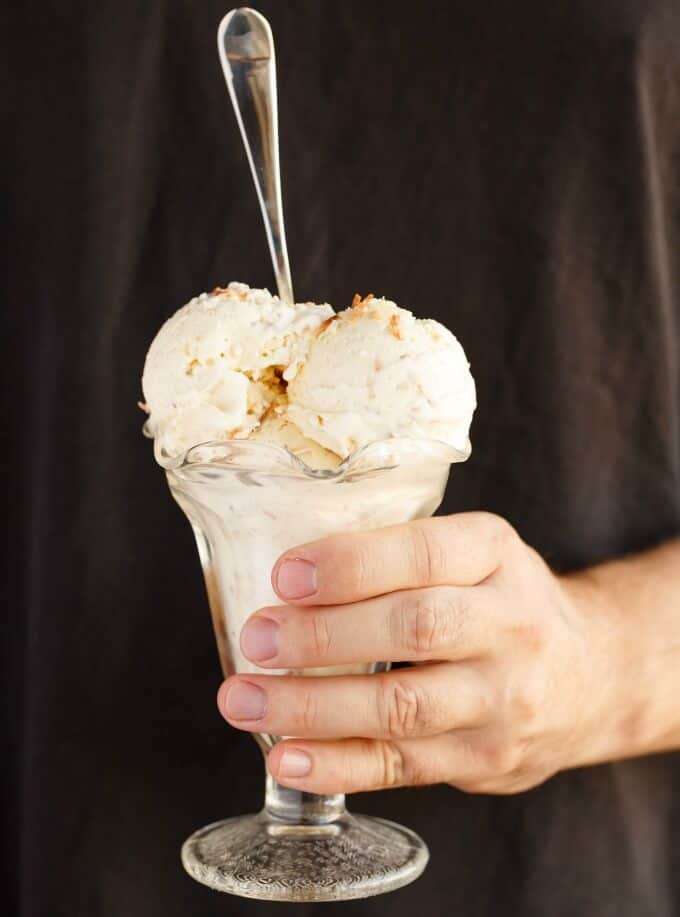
(246, 49)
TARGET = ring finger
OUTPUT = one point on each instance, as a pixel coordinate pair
(395, 705)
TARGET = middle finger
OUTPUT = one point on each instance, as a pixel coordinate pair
(416, 625)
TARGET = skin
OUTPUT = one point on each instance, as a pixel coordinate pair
(519, 673)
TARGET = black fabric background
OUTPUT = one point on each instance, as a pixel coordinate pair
(511, 169)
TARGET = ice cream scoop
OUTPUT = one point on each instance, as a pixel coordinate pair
(222, 361)
(375, 372)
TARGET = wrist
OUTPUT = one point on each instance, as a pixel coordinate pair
(610, 723)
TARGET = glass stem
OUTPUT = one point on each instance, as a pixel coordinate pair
(297, 808)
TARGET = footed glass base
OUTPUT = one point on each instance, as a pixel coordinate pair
(256, 856)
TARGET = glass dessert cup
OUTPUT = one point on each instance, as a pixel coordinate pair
(248, 503)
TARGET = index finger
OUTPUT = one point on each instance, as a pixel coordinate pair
(462, 550)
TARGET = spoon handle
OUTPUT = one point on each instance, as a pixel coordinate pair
(246, 49)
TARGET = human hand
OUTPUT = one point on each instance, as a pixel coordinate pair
(513, 674)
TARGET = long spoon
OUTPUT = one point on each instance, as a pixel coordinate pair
(246, 49)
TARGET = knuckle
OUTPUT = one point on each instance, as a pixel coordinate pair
(426, 554)
(356, 564)
(420, 624)
(531, 633)
(501, 758)
(527, 702)
(390, 765)
(401, 708)
(430, 620)
(308, 717)
(426, 626)
(526, 707)
(320, 635)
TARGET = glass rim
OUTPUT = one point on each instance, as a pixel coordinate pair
(253, 456)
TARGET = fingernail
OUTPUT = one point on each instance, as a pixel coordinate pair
(296, 578)
(260, 639)
(294, 763)
(245, 701)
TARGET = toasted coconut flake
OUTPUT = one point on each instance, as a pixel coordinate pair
(189, 371)
(395, 328)
(325, 324)
(232, 294)
(267, 412)
(360, 306)
(143, 406)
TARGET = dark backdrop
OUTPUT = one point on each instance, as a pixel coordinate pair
(508, 168)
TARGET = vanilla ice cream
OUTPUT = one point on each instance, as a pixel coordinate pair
(238, 363)
(375, 372)
(221, 362)
(279, 431)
